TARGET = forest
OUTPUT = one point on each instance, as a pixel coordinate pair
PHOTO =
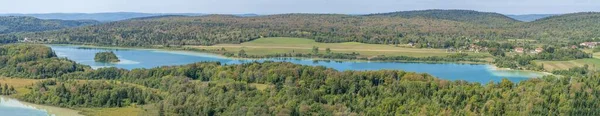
(279, 88)
(524, 61)
(425, 29)
(13, 24)
(107, 57)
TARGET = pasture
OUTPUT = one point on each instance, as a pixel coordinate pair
(274, 45)
(564, 65)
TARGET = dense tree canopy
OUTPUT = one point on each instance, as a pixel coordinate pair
(10, 24)
(34, 61)
(429, 28)
(279, 88)
(107, 57)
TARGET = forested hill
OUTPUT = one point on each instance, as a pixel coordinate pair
(215, 29)
(105, 17)
(468, 16)
(10, 24)
(108, 16)
(577, 25)
(283, 88)
(432, 32)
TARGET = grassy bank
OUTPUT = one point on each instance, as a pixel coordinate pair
(565, 65)
(277, 45)
(301, 47)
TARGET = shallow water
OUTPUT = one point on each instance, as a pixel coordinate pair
(14, 107)
(150, 58)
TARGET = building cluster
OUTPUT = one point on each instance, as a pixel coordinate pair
(534, 51)
(476, 48)
(25, 40)
(589, 44)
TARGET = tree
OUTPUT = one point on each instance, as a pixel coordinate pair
(242, 53)
(315, 50)
(328, 51)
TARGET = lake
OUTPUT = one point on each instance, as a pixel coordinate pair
(13, 107)
(150, 58)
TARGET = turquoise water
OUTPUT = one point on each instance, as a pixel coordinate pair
(148, 58)
(13, 107)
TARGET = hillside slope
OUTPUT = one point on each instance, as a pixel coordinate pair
(467, 16)
(108, 16)
(105, 17)
(215, 29)
(579, 26)
(12, 24)
(442, 32)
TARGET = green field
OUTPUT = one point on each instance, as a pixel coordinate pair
(265, 46)
(564, 65)
(146, 110)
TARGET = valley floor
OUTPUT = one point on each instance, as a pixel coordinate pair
(593, 63)
(276, 45)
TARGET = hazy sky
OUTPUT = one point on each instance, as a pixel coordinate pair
(294, 6)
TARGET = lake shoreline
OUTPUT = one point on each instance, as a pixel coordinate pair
(494, 67)
(239, 58)
(205, 54)
(54, 110)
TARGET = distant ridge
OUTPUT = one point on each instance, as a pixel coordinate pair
(110, 16)
(104, 17)
(572, 17)
(454, 15)
(584, 24)
(11, 24)
(432, 26)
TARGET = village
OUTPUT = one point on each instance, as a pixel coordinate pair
(589, 44)
(539, 49)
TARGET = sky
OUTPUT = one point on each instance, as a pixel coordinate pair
(295, 6)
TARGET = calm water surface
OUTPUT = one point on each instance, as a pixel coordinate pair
(14, 107)
(149, 58)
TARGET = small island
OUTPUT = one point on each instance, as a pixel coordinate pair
(107, 57)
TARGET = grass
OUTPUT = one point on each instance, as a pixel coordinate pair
(260, 86)
(265, 46)
(564, 65)
(19, 84)
(147, 110)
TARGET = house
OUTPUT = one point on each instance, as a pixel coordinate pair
(589, 44)
(539, 50)
(475, 48)
(451, 49)
(574, 47)
(519, 50)
(24, 40)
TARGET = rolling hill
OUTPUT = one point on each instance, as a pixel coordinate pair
(579, 26)
(215, 29)
(107, 17)
(468, 16)
(429, 28)
(11, 24)
(104, 17)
